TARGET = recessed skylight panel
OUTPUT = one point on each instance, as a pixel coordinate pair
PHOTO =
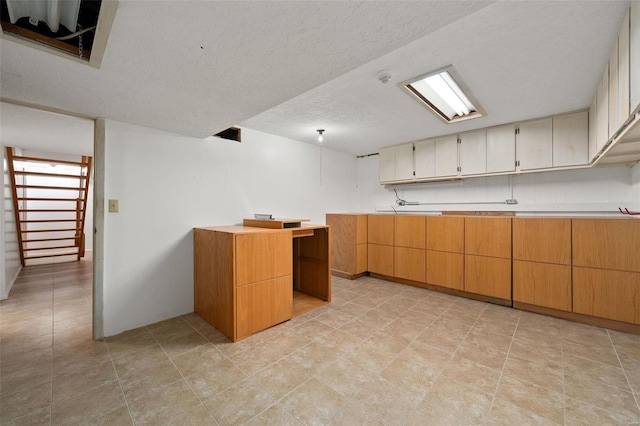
(445, 95)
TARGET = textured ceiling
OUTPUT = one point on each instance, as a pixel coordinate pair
(198, 67)
(521, 60)
(289, 68)
(33, 129)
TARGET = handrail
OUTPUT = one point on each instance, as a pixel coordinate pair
(12, 176)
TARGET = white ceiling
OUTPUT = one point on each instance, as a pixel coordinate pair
(288, 68)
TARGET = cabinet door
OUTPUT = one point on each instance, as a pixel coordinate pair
(542, 240)
(447, 156)
(623, 73)
(602, 111)
(488, 236)
(396, 163)
(489, 276)
(534, 144)
(613, 90)
(593, 128)
(262, 256)
(425, 159)
(387, 164)
(606, 243)
(409, 231)
(607, 294)
(404, 162)
(380, 229)
(542, 284)
(445, 269)
(473, 152)
(571, 139)
(263, 305)
(501, 149)
(380, 259)
(634, 57)
(409, 263)
(445, 233)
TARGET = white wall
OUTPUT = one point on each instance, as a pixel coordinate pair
(168, 184)
(9, 248)
(587, 191)
(635, 173)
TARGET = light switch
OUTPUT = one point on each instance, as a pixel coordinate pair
(114, 206)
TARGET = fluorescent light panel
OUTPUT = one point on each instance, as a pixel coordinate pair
(441, 93)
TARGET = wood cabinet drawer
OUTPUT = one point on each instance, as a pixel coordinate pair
(607, 294)
(445, 233)
(409, 263)
(489, 276)
(380, 259)
(542, 240)
(263, 304)
(542, 284)
(607, 243)
(488, 236)
(445, 269)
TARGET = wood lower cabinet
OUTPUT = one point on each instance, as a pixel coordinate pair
(542, 262)
(488, 276)
(542, 284)
(409, 263)
(349, 244)
(445, 251)
(607, 294)
(380, 259)
(487, 261)
(243, 278)
(445, 269)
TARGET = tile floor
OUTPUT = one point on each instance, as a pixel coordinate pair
(381, 353)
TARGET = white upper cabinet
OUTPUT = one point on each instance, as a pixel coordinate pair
(501, 149)
(387, 164)
(634, 57)
(473, 152)
(425, 159)
(602, 111)
(571, 139)
(593, 130)
(534, 144)
(396, 163)
(447, 156)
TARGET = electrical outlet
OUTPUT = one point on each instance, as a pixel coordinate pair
(114, 206)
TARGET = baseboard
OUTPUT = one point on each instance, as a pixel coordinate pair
(347, 275)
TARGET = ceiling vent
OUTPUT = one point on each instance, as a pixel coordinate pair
(74, 28)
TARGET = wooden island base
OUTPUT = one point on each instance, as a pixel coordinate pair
(250, 278)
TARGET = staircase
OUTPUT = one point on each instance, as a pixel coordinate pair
(50, 205)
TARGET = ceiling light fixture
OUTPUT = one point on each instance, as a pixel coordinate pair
(444, 93)
(320, 132)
